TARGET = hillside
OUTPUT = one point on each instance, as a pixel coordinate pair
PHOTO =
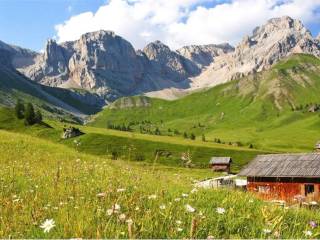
(131, 147)
(87, 196)
(55, 102)
(269, 109)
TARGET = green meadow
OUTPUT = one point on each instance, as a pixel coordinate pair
(268, 110)
(133, 183)
(89, 196)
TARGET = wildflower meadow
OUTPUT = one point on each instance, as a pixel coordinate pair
(52, 191)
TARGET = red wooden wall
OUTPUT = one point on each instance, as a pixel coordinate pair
(282, 190)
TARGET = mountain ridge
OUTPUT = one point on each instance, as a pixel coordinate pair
(107, 64)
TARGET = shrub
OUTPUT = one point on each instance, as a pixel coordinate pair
(38, 116)
(192, 136)
(19, 109)
(203, 138)
(139, 157)
(29, 116)
(114, 155)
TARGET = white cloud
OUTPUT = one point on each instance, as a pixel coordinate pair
(184, 22)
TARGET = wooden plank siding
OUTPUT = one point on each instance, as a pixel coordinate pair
(283, 189)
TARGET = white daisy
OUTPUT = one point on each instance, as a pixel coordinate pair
(110, 212)
(178, 222)
(116, 207)
(103, 194)
(153, 196)
(47, 225)
(190, 208)
(122, 217)
(220, 210)
(162, 207)
(308, 233)
(129, 221)
(194, 190)
(179, 229)
(266, 231)
(184, 195)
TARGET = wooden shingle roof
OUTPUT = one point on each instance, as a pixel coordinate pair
(220, 160)
(284, 165)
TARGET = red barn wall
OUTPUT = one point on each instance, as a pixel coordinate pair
(282, 190)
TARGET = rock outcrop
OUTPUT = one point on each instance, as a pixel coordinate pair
(71, 132)
(277, 39)
(204, 55)
(108, 65)
(169, 64)
(51, 68)
(14, 84)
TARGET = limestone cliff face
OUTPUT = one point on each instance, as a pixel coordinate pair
(204, 55)
(169, 64)
(107, 64)
(278, 38)
(50, 68)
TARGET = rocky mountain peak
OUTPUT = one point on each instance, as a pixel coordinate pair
(156, 49)
(53, 53)
(268, 44)
(277, 27)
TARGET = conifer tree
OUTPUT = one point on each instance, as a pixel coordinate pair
(29, 116)
(203, 138)
(38, 117)
(192, 136)
(19, 109)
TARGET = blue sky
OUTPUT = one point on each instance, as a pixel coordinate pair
(29, 23)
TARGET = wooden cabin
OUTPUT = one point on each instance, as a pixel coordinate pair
(220, 164)
(286, 177)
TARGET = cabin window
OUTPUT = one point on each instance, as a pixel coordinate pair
(263, 189)
(308, 189)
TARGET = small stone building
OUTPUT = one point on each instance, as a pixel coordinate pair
(71, 132)
(284, 176)
(220, 164)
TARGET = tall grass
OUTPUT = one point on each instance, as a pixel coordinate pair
(93, 197)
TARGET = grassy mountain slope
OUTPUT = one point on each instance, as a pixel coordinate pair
(132, 147)
(54, 101)
(43, 180)
(268, 109)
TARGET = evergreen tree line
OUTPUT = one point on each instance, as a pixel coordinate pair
(123, 127)
(27, 113)
(191, 136)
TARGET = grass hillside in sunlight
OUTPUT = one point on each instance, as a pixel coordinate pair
(85, 196)
(268, 110)
(132, 146)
